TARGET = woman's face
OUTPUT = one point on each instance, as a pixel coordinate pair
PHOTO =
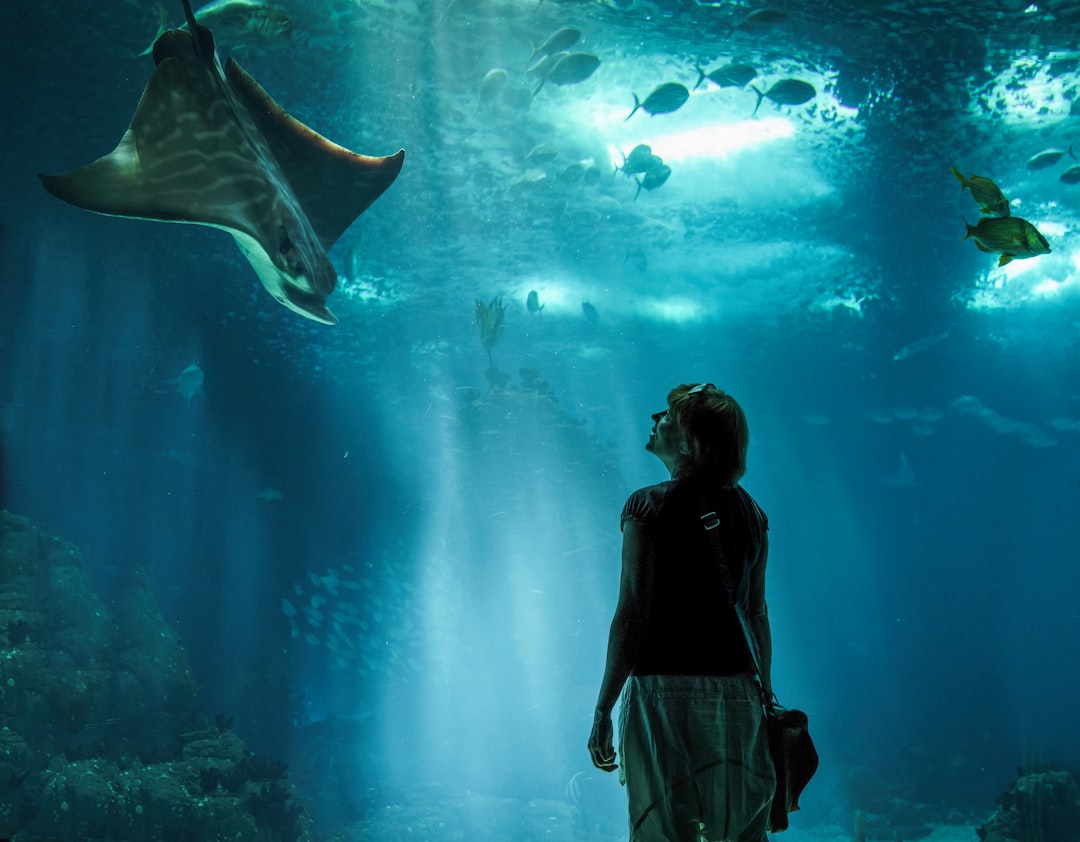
(666, 439)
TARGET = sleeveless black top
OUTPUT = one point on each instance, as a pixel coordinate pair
(693, 629)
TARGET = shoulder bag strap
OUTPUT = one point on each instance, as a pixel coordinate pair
(711, 522)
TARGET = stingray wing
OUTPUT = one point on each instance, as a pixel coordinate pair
(186, 157)
(332, 184)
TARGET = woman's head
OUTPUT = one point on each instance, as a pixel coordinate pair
(714, 430)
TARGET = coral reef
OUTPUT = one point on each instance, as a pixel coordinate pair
(101, 733)
(1041, 807)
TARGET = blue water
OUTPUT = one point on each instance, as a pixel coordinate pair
(457, 517)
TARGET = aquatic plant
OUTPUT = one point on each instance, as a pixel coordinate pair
(490, 318)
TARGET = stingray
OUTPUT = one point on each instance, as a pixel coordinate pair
(210, 147)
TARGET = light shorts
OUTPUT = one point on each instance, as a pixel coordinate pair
(694, 757)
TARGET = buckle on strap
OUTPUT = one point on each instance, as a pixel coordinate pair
(710, 521)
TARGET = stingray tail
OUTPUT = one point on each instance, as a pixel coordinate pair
(202, 39)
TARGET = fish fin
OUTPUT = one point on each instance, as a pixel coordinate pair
(760, 97)
(964, 183)
(700, 77)
(637, 105)
(970, 231)
(981, 247)
(1006, 259)
(136, 179)
(333, 184)
(163, 27)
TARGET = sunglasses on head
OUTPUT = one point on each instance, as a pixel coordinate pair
(701, 387)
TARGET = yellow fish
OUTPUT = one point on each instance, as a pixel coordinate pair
(1011, 237)
(992, 201)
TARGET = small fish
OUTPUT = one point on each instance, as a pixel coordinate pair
(532, 303)
(920, 345)
(558, 42)
(544, 67)
(991, 200)
(542, 152)
(654, 178)
(904, 476)
(240, 19)
(786, 92)
(667, 98)
(573, 173)
(590, 312)
(759, 20)
(533, 175)
(189, 382)
(1011, 237)
(570, 69)
(490, 87)
(517, 97)
(728, 76)
(638, 161)
(1071, 175)
(1047, 158)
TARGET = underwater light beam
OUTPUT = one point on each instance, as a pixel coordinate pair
(709, 142)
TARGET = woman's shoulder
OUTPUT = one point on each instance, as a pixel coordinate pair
(753, 510)
(646, 503)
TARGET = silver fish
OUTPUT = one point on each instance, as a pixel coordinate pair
(570, 69)
(728, 76)
(786, 92)
(655, 177)
(667, 98)
(491, 86)
(759, 20)
(558, 42)
(1071, 175)
(638, 161)
(242, 19)
(920, 345)
(1047, 158)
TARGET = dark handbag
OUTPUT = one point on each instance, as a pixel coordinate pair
(795, 759)
(793, 754)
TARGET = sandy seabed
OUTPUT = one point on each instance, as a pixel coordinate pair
(825, 833)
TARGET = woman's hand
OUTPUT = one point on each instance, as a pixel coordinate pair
(601, 745)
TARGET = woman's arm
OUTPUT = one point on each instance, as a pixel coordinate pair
(624, 640)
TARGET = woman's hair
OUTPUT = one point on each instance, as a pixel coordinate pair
(716, 431)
